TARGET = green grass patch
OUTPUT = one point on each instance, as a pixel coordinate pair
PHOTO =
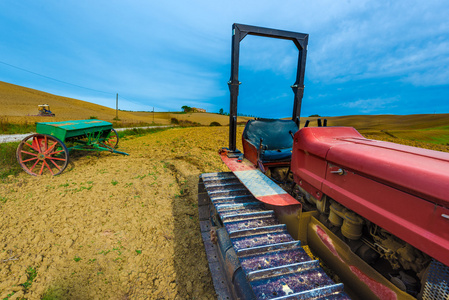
(437, 136)
(437, 128)
(54, 293)
(8, 160)
(140, 131)
(31, 275)
(12, 128)
(440, 137)
(118, 124)
(442, 140)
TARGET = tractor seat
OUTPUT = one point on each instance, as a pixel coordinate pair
(276, 140)
(276, 155)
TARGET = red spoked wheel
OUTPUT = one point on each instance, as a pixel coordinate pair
(40, 154)
(111, 141)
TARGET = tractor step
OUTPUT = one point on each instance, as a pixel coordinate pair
(251, 255)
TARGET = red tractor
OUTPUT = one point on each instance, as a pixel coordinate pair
(375, 214)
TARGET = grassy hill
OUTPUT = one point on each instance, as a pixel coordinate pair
(392, 122)
(432, 128)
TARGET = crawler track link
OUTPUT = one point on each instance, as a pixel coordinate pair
(251, 255)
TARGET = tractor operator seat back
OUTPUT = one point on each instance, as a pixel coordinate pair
(276, 139)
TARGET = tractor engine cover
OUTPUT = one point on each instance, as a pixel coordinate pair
(403, 189)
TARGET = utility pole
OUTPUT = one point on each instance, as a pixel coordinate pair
(153, 114)
(116, 107)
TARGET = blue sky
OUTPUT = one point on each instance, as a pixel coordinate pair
(364, 57)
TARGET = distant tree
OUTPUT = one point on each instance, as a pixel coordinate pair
(221, 112)
(186, 108)
(311, 116)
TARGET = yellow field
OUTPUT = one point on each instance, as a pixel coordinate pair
(19, 105)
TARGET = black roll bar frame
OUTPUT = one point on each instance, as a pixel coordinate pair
(239, 32)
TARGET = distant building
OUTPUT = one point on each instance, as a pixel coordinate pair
(194, 109)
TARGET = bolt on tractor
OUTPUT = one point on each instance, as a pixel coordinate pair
(322, 212)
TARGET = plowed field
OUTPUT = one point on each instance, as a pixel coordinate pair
(112, 226)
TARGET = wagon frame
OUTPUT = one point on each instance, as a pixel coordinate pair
(46, 151)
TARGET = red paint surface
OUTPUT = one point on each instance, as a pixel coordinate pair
(400, 188)
(234, 165)
(379, 289)
(414, 170)
(279, 200)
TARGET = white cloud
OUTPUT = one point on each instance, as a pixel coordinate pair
(382, 39)
(367, 106)
(168, 53)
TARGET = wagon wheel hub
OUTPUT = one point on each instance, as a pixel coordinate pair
(41, 156)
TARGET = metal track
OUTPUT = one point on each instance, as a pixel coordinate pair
(251, 255)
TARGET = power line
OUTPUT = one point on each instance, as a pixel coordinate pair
(48, 77)
(65, 82)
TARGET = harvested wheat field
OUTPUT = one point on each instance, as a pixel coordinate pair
(19, 105)
(112, 226)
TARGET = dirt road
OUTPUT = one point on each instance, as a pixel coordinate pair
(111, 226)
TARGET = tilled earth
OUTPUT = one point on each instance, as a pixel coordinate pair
(112, 226)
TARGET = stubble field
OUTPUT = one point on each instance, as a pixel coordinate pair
(112, 226)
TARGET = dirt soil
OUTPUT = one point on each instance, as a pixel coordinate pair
(112, 226)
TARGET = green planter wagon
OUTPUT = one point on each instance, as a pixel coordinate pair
(46, 152)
